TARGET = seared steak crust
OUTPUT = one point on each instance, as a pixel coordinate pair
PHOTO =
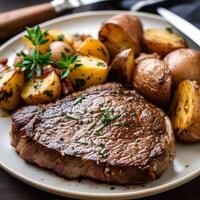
(106, 132)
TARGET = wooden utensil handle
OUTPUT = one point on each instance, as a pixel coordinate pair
(13, 22)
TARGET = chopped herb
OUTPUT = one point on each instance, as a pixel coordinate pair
(100, 64)
(70, 116)
(106, 118)
(103, 154)
(60, 37)
(81, 142)
(48, 93)
(79, 100)
(5, 95)
(112, 187)
(169, 29)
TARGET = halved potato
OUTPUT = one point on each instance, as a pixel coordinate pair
(92, 71)
(11, 83)
(93, 47)
(162, 41)
(184, 111)
(122, 32)
(38, 90)
(122, 67)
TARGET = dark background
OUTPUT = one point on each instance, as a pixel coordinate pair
(12, 189)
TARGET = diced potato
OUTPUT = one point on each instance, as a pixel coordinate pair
(58, 35)
(162, 41)
(93, 47)
(11, 83)
(92, 71)
(38, 90)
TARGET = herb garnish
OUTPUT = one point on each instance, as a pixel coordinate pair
(79, 100)
(67, 63)
(70, 116)
(169, 29)
(100, 64)
(33, 62)
(60, 37)
(106, 118)
(81, 142)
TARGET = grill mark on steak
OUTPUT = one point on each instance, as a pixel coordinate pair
(135, 145)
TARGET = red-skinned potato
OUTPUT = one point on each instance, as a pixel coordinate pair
(153, 79)
(122, 67)
(122, 32)
(59, 47)
(183, 64)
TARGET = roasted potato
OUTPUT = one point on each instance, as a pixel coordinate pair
(42, 90)
(184, 111)
(11, 83)
(162, 41)
(122, 32)
(57, 48)
(93, 47)
(92, 71)
(143, 56)
(183, 64)
(122, 67)
(79, 39)
(152, 78)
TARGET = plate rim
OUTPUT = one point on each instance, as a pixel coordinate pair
(77, 194)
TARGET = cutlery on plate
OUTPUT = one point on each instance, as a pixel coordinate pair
(181, 24)
(14, 21)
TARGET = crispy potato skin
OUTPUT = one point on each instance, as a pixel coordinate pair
(162, 41)
(93, 71)
(122, 67)
(93, 47)
(183, 64)
(42, 90)
(152, 78)
(11, 83)
(143, 56)
(122, 32)
(184, 111)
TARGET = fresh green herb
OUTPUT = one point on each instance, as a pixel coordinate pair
(70, 116)
(169, 29)
(106, 118)
(33, 62)
(60, 37)
(81, 142)
(48, 93)
(67, 63)
(5, 95)
(79, 100)
(103, 154)
(100, 64)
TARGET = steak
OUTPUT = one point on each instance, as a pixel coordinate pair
(106, 132)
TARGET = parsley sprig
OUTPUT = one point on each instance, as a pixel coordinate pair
(67, 63)
(33, 62)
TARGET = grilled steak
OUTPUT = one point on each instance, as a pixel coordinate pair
(106, 132)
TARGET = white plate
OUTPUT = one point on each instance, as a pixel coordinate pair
(186, 165)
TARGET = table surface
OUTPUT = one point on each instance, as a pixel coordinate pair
(13, 189)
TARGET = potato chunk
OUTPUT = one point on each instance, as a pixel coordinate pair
(92, 71)
(11, 83)
(93, 47)
(122, 67)
(184, 111)
(122, 32)
(42, 90)
(162, 41)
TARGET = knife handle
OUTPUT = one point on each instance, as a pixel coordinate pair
(13, 22)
